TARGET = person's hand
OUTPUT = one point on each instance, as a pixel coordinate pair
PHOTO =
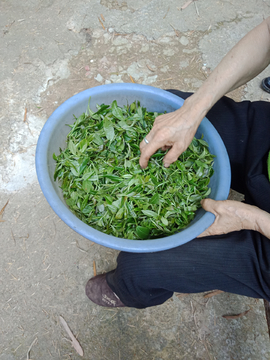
(173, 131)
(230, 216)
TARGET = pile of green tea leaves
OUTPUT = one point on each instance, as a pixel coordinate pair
(104, 185)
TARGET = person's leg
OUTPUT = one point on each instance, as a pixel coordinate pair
(227, 262)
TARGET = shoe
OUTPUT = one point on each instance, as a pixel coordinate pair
(98, 291)
(266, 84)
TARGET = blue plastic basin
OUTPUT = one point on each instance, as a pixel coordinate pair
(53, 136)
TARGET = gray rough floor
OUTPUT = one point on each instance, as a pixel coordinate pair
(50, 50)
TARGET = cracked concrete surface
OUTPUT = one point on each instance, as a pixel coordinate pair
(52, 49)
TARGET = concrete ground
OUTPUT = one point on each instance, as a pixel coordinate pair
(50, 50)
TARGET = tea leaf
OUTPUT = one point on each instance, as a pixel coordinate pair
(155, 199)
(72, 147)
(108, 128)
(150, 213)
(117, 112)
(142, 232)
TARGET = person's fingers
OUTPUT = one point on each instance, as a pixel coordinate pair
(172, 155)
(147, 150)
(166, 147)
(209, 205)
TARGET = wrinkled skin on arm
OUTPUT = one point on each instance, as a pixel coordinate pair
(235, 216)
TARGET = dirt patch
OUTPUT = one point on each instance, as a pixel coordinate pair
(172, 61)
(116, 5)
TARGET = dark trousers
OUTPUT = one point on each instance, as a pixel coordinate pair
(238, 262)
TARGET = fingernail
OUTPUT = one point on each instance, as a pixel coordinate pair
(166, 165)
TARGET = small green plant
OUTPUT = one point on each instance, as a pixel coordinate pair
(104, 185)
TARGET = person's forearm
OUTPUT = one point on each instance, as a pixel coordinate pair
(246, 59)
(263, 223)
